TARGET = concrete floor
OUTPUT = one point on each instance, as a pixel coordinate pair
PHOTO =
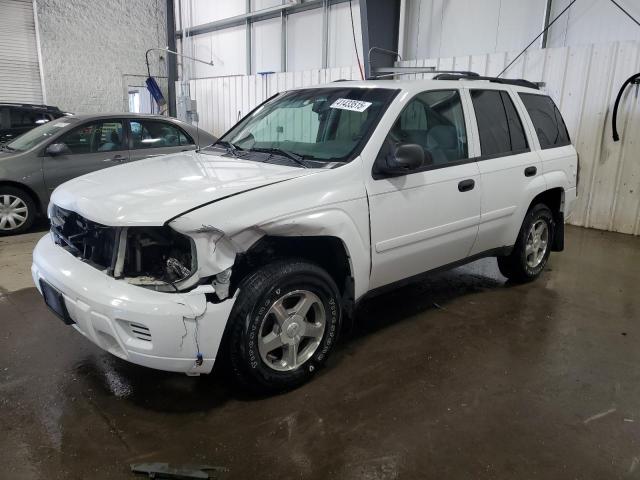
(460, 376)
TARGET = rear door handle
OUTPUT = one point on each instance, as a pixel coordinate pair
(466, 185)
(530, 171)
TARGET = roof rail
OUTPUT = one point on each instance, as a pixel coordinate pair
(383, 72)
(520, 82)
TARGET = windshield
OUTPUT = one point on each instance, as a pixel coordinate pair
(38, 135)
(328, 124)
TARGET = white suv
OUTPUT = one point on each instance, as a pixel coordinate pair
(255, 249)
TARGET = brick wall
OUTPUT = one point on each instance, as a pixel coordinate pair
(92, 50)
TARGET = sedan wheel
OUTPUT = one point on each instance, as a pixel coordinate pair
(16, 211)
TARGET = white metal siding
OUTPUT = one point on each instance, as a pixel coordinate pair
(583, 81)
(19, 68)
(439, 28)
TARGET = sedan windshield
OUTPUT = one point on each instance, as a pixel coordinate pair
(39, 134)
(326, 124)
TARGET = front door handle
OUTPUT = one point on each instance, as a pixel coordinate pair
(530, 171)
(466, 185)
(115, 158)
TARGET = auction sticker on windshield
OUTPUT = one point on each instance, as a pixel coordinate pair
(353, 105)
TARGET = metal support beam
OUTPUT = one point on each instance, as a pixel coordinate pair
(325, 33)
(283, 41)
(402, 25)
(172, 67)
(547, 18)
(379, 19)
(248, 38)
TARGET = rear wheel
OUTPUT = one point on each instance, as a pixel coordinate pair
(283, 326)
(532, 248)
(17, 210)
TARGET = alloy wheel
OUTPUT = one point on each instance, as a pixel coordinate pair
(537, 243)
(292, 330)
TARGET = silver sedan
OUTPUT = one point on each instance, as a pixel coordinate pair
(34, 164)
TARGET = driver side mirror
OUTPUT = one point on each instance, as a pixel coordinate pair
(57, 149)
(404, 159)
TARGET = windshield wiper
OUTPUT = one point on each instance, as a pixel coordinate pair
(228, 146)
(7, 148)
(278, 151)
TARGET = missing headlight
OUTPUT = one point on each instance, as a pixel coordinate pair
(156, 257)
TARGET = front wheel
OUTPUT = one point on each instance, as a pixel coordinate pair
(532, 248)
(284, 324)
(17, 211)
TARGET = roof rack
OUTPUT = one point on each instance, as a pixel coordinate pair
(384, 72)
(520, 82)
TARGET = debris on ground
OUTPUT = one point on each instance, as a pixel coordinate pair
(182, 472)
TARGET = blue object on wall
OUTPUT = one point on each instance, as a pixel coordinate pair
(155, 91)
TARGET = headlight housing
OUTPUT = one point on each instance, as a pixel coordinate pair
(159, 258)
(156, 257)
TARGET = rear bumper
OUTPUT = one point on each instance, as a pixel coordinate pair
(153, 329)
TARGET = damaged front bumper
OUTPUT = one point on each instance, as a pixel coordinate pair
(165, 331)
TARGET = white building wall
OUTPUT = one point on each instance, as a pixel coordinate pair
(227, 48)
(266, 46)
(341, 51)
(593, 21)
(93, 50)
(445, 28)
(304, 40)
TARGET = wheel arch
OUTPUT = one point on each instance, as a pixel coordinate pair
(21, 186)
(328, 252)
(553, 198)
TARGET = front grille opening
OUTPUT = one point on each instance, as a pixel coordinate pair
(157, 256)
(90, 241)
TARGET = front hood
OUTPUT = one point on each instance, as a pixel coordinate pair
(152, 191)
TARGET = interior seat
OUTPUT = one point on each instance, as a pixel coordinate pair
(113, 144)
(442, 142)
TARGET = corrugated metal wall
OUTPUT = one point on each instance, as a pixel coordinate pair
(582, 80)
(19, 66)
(223, 101)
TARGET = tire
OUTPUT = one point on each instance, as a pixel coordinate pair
(264, 326)
(17, 211)
(529, 256)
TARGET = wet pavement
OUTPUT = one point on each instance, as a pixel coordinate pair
(460, 376)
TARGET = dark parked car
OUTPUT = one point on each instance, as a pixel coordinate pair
(18, 118)
(34, 164)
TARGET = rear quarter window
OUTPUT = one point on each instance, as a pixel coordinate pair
(547, 120)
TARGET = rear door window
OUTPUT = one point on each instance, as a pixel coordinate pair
(550, 127)
(157, 134)
(499, 126)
